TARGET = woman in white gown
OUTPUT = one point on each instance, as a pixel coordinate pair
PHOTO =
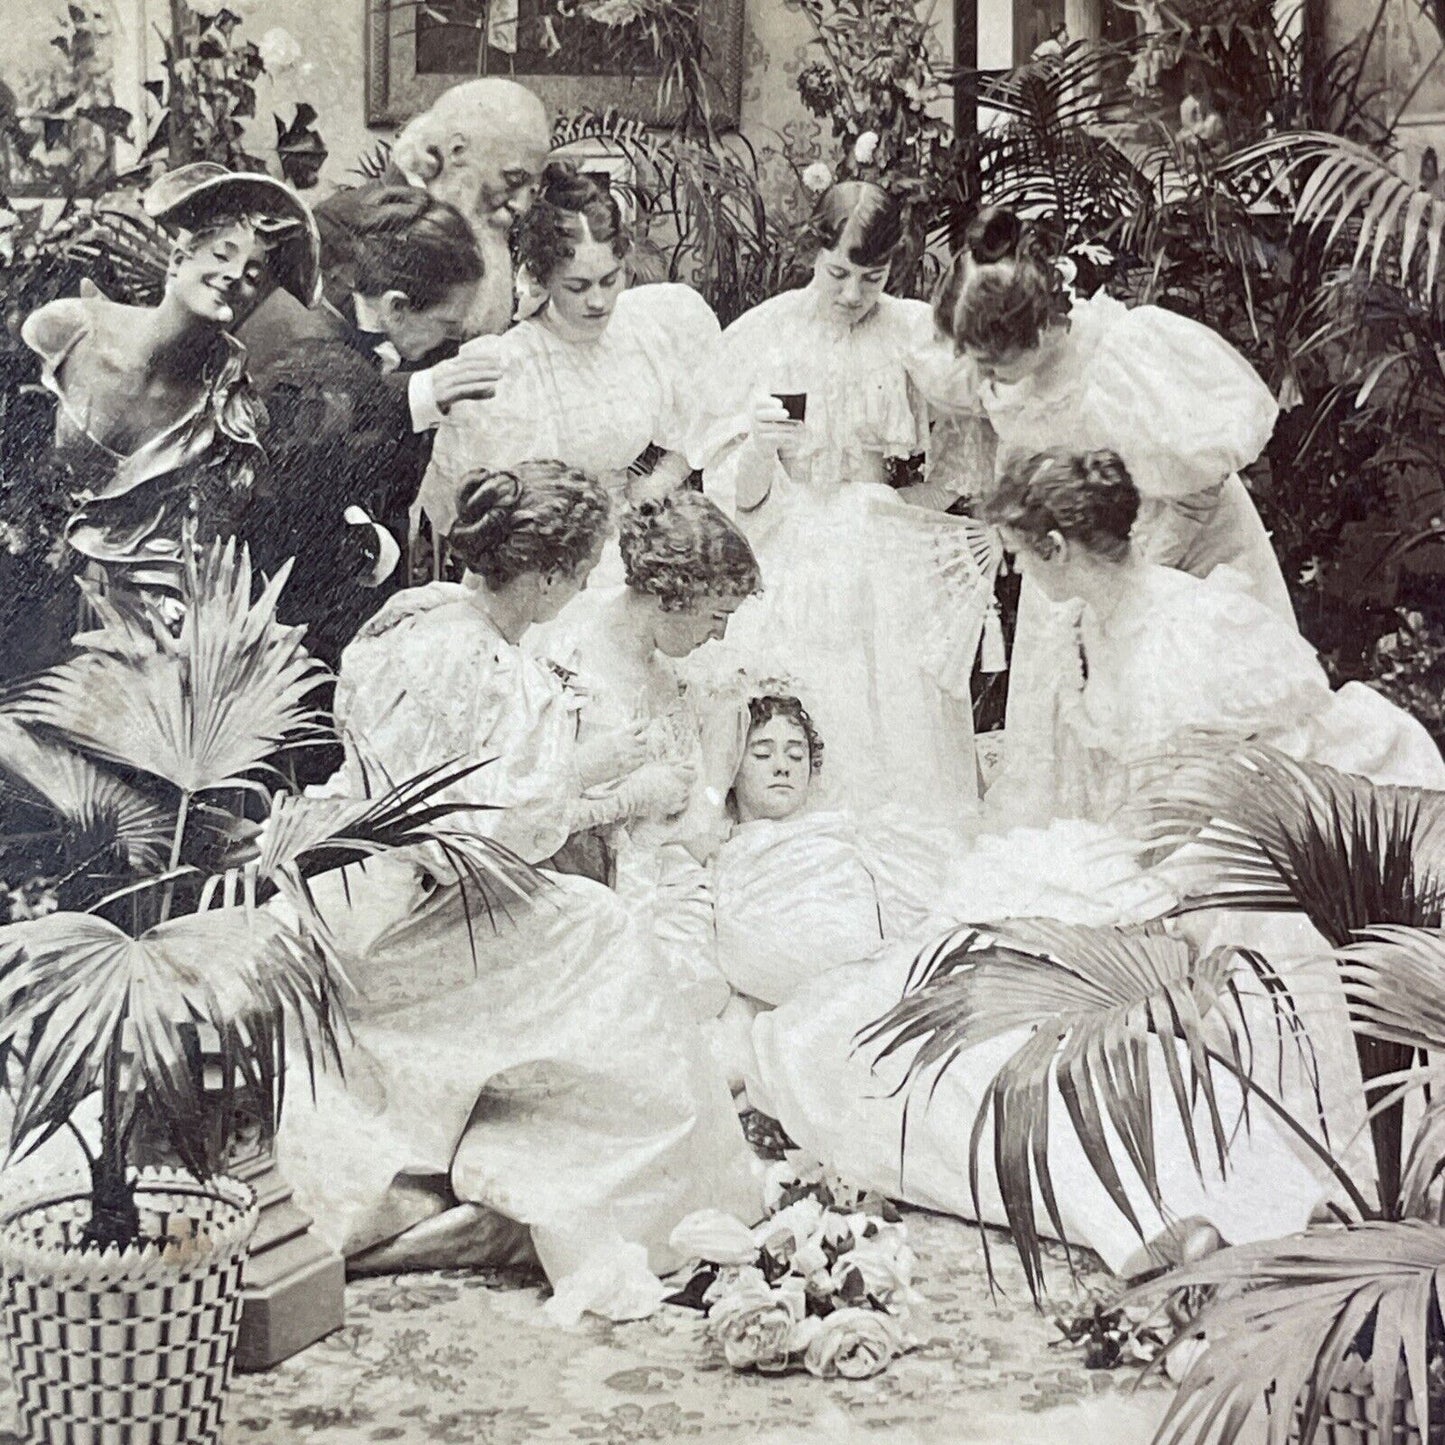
(535, 1065)
(1158, 655)
(1183, 409)
(687, 570)
(874, 598)
(594, 374)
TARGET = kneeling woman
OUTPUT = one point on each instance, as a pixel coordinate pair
(530, 1064)
(1155, 655)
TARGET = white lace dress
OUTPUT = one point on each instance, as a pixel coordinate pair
(541, 1065)
(1178, 654)
(1186, 412)
(597, 405)
(654, 873)
(873, 605)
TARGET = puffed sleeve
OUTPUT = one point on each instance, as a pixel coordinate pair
(1182, 407)
(426, 689)
(679, 330)
(519, 422)
(1218, 661)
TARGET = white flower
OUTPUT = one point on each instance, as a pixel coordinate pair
(790, 1229)
(1184, 1356)
(280, 50)
(884, 1270)
(784, 1174)
(811, 1261)
(853, 1344)
(817, 178)
(715, 1237)
(755, 1324)
(865, 148)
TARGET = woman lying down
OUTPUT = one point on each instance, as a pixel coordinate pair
(818, 920)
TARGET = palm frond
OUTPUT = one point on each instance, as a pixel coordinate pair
(99, 816)
(1394, 980)
(1100, 1007)
(202, 710)
(1256, 830)
(305, 837)
(1252, 828)
(1298, 1318)
(76, 990)
(1345, 190)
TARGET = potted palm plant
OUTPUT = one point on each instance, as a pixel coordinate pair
(1336, 1334)
(160, 994)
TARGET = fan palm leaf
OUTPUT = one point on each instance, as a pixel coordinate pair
(1097, 1006)
(98, 815)
(1258, 830)
(1297, 1318)
(1394, 979)
(77, 991)
(1262, 831)
(1341, 188)
(202, 710)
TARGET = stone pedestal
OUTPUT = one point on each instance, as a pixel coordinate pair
(295, 1285)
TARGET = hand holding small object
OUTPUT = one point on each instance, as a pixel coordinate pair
(773, 429)
(611, 756)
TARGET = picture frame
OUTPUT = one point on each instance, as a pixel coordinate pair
(397, 87)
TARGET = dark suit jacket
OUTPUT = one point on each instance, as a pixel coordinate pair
(339, 434)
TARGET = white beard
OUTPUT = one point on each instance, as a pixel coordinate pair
(491, 312)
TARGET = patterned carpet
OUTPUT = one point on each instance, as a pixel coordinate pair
(456, 1359)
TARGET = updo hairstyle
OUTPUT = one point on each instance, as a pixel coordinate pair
(1000, 293)
(861, 220)
(1087, 497)
(570, 210)
(681, 548)
(398, 238)
(540, 516)
(764, 709)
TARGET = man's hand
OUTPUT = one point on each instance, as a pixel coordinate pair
(465, 378)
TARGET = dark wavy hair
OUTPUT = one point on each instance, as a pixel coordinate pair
(1087, 497)
(539, 516)
(1000, 292)
(681, 548)
(860, 219)
(397, 238)
(764, 709)
(570, 209)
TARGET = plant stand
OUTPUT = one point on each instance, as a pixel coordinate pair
(294, 1285)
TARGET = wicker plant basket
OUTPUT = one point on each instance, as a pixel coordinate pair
(125, 1347)
(1347, 1418)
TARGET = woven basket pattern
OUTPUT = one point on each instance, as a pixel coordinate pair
(141, 1355)
(1347, 1421)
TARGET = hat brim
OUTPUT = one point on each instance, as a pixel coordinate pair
(295, 262)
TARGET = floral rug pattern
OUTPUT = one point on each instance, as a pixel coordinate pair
(467, 1359)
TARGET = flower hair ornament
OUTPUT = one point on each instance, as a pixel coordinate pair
(531, 294)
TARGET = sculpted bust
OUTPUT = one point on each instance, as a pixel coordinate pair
(481, 147)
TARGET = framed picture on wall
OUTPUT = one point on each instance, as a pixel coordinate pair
(572, 53)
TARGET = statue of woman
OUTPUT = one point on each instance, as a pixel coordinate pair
(156, 420)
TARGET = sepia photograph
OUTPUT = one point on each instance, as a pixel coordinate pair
(721, 721)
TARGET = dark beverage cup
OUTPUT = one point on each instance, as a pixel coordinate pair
(795, 403)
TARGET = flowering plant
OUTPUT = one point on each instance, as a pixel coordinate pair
(824, 1283)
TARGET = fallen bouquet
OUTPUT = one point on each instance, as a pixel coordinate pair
(824, 1283)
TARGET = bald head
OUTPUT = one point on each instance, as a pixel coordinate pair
(482, 147)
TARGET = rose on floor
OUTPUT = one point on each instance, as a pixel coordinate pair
(824, 1283)
(852, 1344)
(756, 1323)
